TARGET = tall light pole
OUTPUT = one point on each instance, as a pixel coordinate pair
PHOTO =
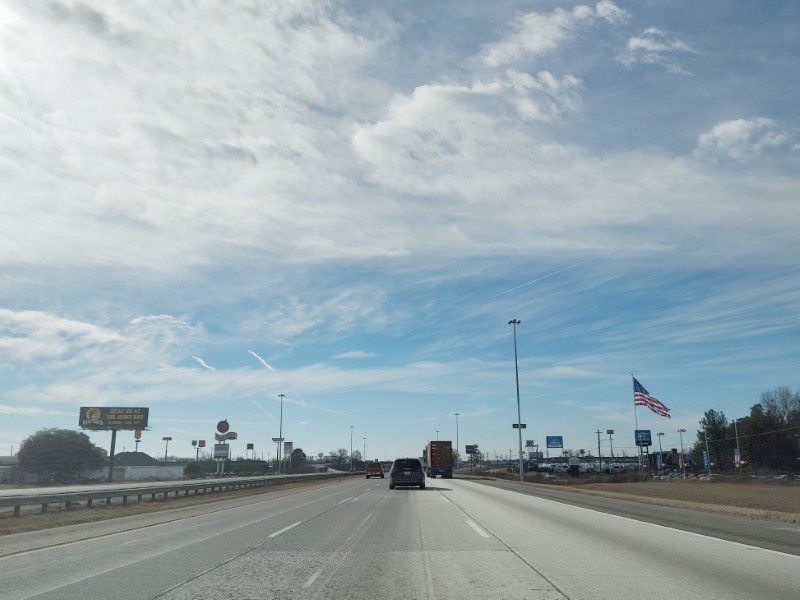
(278, 457)
(660, 451)
(364, 456)
(514, 323)
(737, 454)
(437, 435)
(599, 459)
(351, 447)
(683, 456)
(458, 454)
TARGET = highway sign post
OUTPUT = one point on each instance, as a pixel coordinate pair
(167, 439)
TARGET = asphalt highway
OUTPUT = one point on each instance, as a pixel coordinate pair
(356, 539)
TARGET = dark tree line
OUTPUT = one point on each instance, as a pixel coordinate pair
(769, 437)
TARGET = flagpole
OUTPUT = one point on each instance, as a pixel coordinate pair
(636, 421)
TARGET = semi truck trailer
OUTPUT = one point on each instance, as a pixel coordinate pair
(439, 459)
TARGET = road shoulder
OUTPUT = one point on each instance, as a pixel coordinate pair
(761, 533)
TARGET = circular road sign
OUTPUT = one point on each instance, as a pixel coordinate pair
(223, 426)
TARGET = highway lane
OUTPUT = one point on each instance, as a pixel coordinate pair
(358, 539)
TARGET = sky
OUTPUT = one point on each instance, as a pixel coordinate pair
(364, 194)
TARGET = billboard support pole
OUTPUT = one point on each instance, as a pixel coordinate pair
(111, 455)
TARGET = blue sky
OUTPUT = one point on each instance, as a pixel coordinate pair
(356, 193)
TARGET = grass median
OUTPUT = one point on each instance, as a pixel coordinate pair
(754, 499)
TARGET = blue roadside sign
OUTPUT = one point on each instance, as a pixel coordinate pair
(658, 461)
(705, 459)
(643, 437)
(555, 441)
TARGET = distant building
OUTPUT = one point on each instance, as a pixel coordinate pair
(138, 465)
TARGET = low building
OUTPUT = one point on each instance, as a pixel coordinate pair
(138, 465)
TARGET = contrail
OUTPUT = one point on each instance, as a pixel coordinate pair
(262, 361)
(203, 363)
(548, 275)
(262, 409)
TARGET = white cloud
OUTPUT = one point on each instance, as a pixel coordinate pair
(741, 139)
(327, 318)
(29, 334)
(655, 46)
(28, 410)
(535, 33)
(355, 354)
(612, 13)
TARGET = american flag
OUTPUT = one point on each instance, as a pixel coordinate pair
(641, 397)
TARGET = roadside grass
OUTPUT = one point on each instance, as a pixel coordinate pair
(33, 519)
(755, 499)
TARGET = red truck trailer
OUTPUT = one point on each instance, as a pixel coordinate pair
(439, 459)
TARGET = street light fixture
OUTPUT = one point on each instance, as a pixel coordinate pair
(278, 458)
(458, 454)
(683, 456)
(514, 323)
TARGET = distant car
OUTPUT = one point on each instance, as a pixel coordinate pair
(407, 471)
(373, 469)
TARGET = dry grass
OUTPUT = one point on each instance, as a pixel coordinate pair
(33, 519)
(757, 500)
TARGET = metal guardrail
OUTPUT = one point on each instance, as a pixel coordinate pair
(68, 499)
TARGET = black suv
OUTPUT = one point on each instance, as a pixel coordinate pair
(407, 471)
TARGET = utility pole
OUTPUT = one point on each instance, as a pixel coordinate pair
(599, 459)
(660, 452)
(351, 447)
(737, 458)
(458, 454)
(683, 456)
(514, 323)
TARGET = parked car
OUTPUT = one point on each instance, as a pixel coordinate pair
(407, 471)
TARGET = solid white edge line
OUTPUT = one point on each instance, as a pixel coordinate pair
(312, 579)
(477, 529)
(284, 530)
(346, 499)
(675, 529)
